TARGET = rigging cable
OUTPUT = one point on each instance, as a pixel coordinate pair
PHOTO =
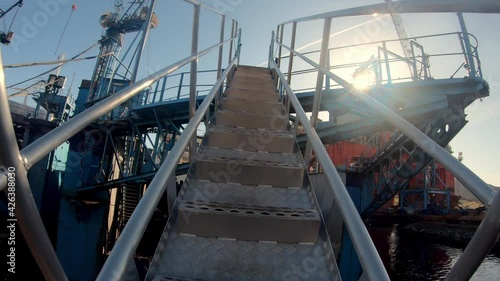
(14, 18)
(73, 8)
(54, 68)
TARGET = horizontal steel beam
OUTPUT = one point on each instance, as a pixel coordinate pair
(416, 6)
(199, 3)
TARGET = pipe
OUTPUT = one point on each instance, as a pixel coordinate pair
(193, 76)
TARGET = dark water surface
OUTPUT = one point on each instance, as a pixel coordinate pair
(409, 258)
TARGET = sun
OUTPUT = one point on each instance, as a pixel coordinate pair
(363, 81)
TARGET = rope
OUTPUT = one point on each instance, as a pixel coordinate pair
(54, 68)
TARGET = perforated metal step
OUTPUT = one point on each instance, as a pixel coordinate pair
(251, 139)
(269, 96)
(247, 195)
(248, 223)
(247, 167)
(251, 120)
(251, 105)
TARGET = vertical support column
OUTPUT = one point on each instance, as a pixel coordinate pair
(327, 79)
(271, 50)
(319, 82)
(281, 42)
(232, 41)
(193, 76)
(144, 39)
(414, 64)
(292, 46)
(468, 49)
(26, 217)
(239, 46)
(238, 42)
(387, 66)
(221, 47)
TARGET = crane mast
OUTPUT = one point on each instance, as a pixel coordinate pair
(402, 35)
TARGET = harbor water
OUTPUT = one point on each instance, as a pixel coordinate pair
(410, 258)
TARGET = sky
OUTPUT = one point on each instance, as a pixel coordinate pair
(39, 26)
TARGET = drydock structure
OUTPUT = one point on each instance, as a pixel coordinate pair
(248, 208)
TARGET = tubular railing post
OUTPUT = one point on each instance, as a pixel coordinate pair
(480, 245)
(327, 79)
(465, 34)
(387, 66)
(239, 46)
(232, 41)
(181, 80)
(282, 27)
(142, 44)
(26, 212)
(414, 65)
(193, 76)
(271, 50)
(292, 46)
(221, 48)
(319, 82)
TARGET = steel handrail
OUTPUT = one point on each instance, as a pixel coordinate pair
(116, 264)
(367, 253)
(390, 40)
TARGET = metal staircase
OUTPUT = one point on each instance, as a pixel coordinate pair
(246, 210)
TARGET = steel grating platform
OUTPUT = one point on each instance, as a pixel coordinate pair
(246, 212)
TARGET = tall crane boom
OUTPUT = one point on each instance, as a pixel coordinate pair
(402, 35)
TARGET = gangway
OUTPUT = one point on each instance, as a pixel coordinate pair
(247, 210)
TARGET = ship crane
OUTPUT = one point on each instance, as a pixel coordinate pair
(5, 38)
(116, 25)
